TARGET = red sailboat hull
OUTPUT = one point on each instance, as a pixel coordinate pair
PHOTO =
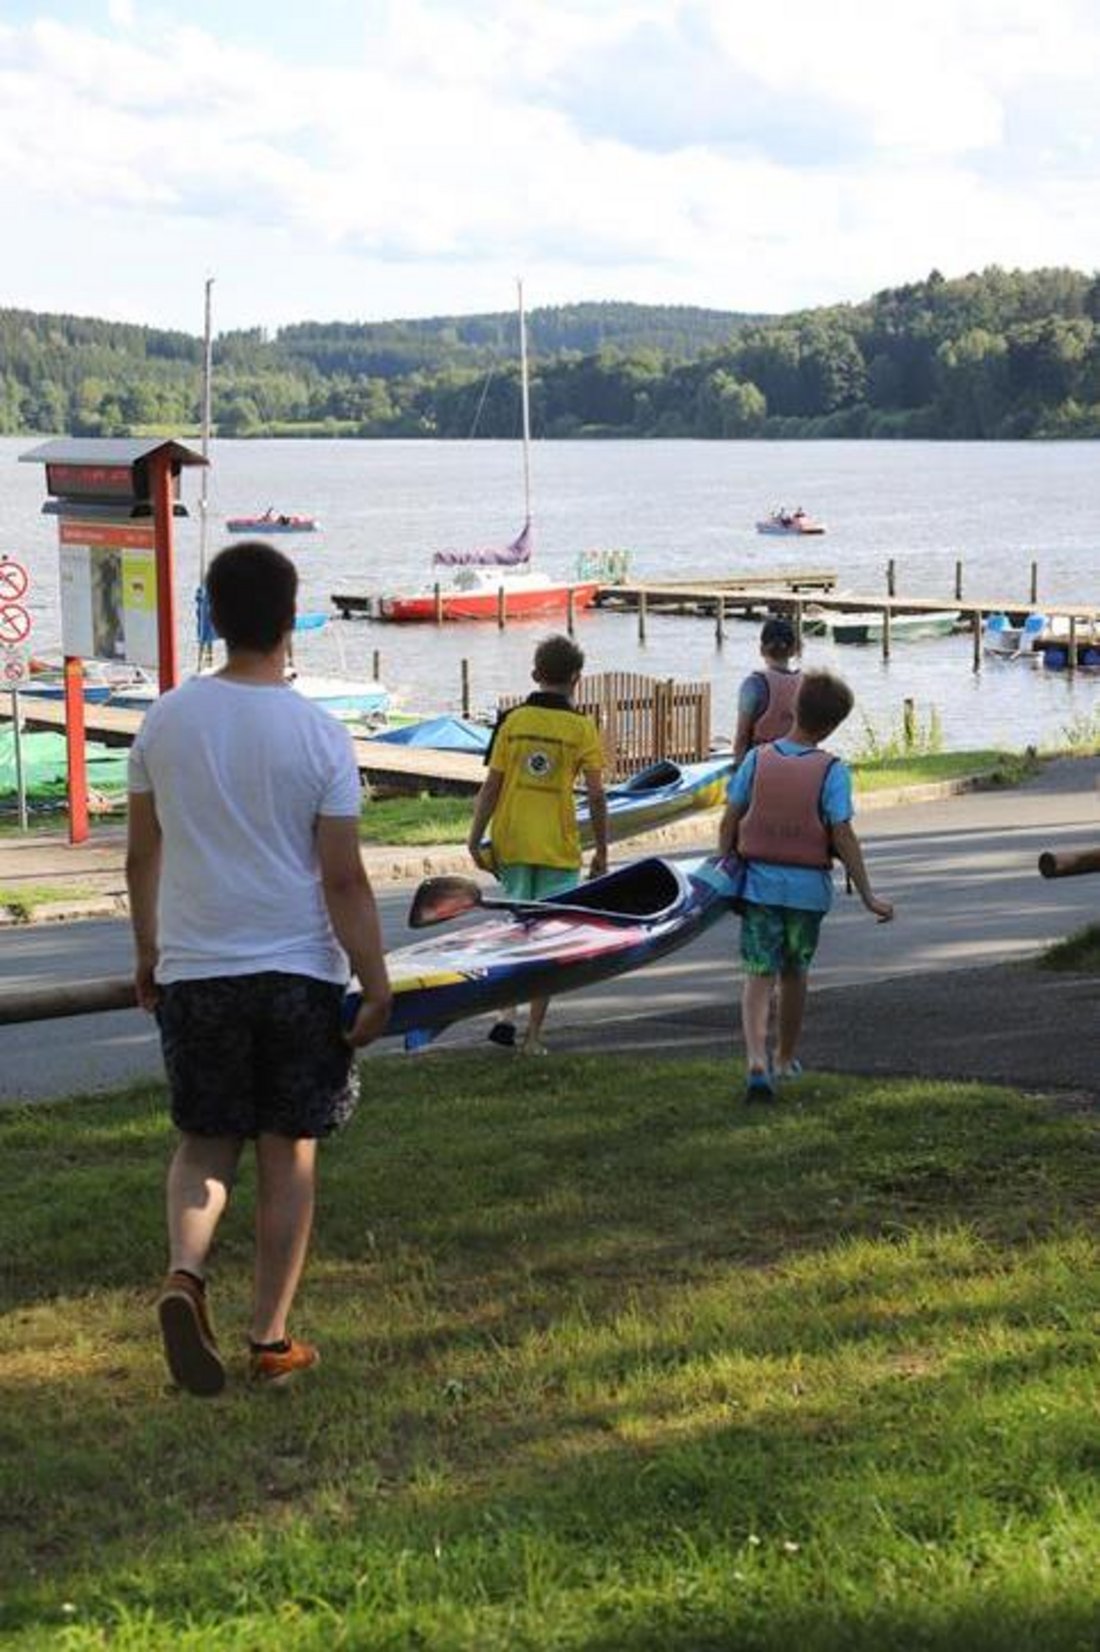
(483, 605)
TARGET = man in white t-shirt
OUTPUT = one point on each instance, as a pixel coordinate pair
(249, 901)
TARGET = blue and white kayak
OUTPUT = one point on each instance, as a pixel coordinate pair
(658, 794)
(603, 928)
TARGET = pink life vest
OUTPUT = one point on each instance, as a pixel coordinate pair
(783, 823)
(777, 717)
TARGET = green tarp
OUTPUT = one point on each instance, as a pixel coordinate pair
(44, 768)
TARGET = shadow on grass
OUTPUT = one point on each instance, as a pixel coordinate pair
(600, 1355)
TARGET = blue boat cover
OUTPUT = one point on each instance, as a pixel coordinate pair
(440, 734)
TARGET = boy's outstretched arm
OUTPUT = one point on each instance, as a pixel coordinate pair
(847, 847)
(597, 812)
(487, 799)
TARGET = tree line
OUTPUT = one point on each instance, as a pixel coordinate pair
(991, 355)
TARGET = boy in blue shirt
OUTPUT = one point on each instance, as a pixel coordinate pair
(788, 812)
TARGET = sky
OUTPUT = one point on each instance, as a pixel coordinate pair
(332, 160)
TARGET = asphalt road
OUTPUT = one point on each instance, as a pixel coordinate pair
(961, 871)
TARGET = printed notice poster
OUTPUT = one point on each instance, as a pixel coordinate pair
(109, 592)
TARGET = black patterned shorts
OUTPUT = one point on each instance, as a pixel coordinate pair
(247, 1054)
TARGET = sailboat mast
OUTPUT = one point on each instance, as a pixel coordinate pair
(205, 651)
(207, 374)
(526, 403)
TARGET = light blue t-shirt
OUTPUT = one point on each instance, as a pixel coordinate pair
(807, 887)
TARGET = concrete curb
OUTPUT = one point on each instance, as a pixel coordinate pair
(393, 865)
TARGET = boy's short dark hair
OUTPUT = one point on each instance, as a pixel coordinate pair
(558, 660)
(252, 589)
(777, 636)
(823, 703)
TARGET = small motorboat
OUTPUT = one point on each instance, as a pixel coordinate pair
(783, 521)
(842, 626)
(273, 521)
(603, 928)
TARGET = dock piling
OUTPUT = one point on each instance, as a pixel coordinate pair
(641, 615)
(570, 613)
(958, 581)
(798, 625)
(719, 621)
(502, 608)
(891, 579)
(976, 631)
(437, 602)
(1071, 661)
(376, 667)
(466, 688)
(887, 616)
(1034, 583)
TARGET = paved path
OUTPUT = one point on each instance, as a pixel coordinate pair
(961, 870)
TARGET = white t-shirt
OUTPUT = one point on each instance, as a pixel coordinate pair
(239, 773)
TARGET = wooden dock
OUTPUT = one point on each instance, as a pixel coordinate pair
(383, 765)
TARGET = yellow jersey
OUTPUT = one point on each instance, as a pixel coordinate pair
(540, 747)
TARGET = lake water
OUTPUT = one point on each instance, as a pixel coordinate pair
(681, 509)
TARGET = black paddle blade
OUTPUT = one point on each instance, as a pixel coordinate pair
(439, 899)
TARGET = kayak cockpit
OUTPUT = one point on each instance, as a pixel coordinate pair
(645, 889)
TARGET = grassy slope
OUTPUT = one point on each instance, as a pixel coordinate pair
(609, 1363)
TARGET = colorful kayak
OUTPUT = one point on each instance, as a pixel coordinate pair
(660, 793)
(603, 928)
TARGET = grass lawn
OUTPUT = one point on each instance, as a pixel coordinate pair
(408, 821)
(20, 902)
(609, 1363)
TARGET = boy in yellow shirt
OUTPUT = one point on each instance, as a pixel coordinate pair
(537, 751)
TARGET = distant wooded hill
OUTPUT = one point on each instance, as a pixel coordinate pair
(996, 354)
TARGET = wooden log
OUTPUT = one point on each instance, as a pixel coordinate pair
(67, 998)
(1069, 864)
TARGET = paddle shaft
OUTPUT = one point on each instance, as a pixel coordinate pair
(1069, 865)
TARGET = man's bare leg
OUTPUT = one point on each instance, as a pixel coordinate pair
(286, 1181)
(199, 1181)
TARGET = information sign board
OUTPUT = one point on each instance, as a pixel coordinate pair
(109, 591)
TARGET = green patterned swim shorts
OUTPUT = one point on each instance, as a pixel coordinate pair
(777, 940)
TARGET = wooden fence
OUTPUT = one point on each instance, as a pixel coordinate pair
(644, 719)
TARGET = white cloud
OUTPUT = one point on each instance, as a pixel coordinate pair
(662, 149)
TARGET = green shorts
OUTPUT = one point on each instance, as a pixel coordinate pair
(778, 940)
(537, 883)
